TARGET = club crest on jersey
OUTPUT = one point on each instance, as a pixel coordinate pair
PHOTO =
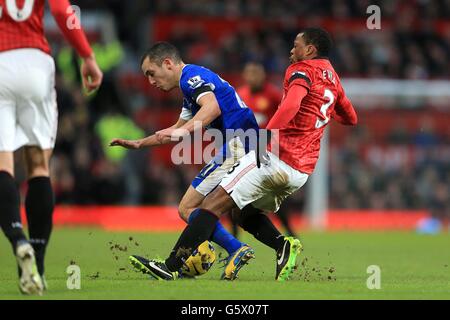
(195, 82)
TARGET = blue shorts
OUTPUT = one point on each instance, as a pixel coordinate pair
(212, 173)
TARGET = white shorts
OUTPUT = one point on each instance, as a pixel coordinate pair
(265, 187)
(28, 110)
(211, 174)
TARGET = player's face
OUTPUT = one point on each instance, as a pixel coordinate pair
(162, 77)
(301, 51)
(254, 75)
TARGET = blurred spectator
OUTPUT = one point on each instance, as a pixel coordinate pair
(259, 94)
(413, 180)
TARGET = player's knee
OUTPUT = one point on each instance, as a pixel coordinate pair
(184, 212)
(218, 208)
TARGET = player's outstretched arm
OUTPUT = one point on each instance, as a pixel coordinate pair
(138, 144)
(128, 144)
(70, 26)
(153, 140)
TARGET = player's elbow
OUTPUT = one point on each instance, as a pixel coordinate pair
(216, 112)
(353, 120)
(348, 119)
(184, 212)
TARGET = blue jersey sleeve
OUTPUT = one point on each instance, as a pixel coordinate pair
(196, 83)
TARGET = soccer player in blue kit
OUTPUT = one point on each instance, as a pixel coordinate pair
(213, 102)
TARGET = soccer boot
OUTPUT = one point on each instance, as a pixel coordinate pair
(236, 261)
(286, 257)
(155, 268)
(30, 281)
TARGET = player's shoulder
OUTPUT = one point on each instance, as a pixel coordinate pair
(311, 70)
(305, 66)
(299, 70)
(192, 70)
(194, 76)
(300, 65)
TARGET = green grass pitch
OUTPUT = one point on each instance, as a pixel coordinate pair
(332, 266)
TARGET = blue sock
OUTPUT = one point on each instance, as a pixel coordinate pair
(221, 236)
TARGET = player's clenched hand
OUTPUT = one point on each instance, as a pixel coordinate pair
(129, 144)
(91, 74)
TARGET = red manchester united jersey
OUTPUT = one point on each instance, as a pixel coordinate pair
(21, 25)
(299, 140)
(263, 103)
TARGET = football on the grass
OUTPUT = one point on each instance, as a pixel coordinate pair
(200, 261)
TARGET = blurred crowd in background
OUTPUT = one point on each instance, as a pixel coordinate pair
(408, 47)
(338, 9)
(410, 171)
(412, 45)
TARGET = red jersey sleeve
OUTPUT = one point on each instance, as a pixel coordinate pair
(75, 36)
(288, 107)
(344, 112)
(300, 74)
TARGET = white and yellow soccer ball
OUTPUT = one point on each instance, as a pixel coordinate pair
(200, 261)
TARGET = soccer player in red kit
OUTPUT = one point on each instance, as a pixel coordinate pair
(28, 118)
(263, 98)
(312, 96)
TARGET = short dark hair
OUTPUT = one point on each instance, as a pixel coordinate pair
(319, 38)
(160, 51)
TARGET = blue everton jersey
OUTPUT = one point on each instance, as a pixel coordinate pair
(197, 81)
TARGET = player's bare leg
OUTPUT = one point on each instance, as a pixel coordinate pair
(39, 202)
(191, 200)
(218, 202)
(10, 222)
(37, 161)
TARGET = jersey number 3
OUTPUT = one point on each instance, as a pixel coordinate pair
(17, 14)
(324, 108)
